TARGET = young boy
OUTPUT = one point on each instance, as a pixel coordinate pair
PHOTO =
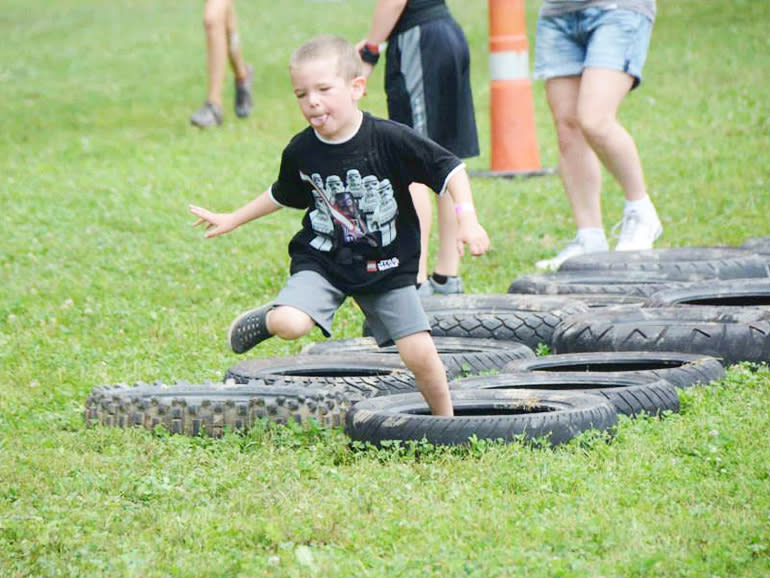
(360, 235)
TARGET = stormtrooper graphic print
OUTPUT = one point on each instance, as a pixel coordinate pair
(360, 230)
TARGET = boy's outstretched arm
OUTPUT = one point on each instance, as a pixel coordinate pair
(469, 230)
(221, 223)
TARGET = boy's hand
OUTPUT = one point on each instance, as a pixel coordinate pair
(216, 223)
(470, 232)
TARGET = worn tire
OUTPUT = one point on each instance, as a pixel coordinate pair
(679, 369)
(759, 245)
(729, 334)
(682, 262)
(527, 319)
(629, 394)
(356, 377)
(485, 414)
(743, 293)
(566, 283)
(461, 355)
(211, 408)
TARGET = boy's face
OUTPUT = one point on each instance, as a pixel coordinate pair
(326, 99)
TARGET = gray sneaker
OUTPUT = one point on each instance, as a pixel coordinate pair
(207, 116)
(249, 329)
(243, 101)
(425, 289)
(452, 286)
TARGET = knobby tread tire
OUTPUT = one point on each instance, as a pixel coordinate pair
(734, 293)
(355, 377)
(679, 369)
(681, 262)
(212, 408)
(485, 414)
(460, 355)
(629, 394)
(731, 334)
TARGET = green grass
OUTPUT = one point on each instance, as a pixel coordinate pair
(104, 281)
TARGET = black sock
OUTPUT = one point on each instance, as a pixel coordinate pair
(440, 279)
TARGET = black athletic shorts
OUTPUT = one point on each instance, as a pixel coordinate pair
(428, 85)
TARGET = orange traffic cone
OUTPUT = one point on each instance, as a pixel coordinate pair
(512, 113)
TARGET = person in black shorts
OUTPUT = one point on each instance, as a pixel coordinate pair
(427, 81)
(360, 235)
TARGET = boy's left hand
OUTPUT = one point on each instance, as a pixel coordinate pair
(470, 232)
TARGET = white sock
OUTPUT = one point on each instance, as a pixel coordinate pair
(592, 237)
(643, 206)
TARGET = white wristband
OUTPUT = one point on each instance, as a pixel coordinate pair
(461, 208)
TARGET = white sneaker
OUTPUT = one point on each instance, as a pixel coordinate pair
(637, 231)
(574, 248)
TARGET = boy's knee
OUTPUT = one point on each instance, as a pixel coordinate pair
(289, 323)
(595, 126)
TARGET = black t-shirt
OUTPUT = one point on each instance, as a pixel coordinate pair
(419, 12)
(360, 230)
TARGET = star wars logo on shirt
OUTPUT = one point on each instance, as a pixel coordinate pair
(360, 206)
(384, 265)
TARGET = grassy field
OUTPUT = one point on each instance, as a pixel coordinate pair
(104, 281)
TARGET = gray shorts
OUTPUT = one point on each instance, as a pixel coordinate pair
(391, 315)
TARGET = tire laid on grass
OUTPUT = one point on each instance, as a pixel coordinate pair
(486, 414)
(759, 245)
(354, 376)
(527, 319)
(211, 408)
(742, 293)
(566, 283)
(729, 334)
(597, 300)
(679, 369)
(683, 262)
(461, 355)
(629, 394)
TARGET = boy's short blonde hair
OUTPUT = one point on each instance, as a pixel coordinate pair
(349, 64)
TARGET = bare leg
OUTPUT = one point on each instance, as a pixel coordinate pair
(234, 44)
(601, 92)
(578, 164)
(419, 354)
(422, 206)
(448, 262)
(215, 22)
(288, 323)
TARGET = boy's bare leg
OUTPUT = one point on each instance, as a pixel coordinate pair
(448, 261)
(422, 206)
(579, 166)
(215, 17)
(418, 352)
(288, 322)
(234, 44)
(601, 93)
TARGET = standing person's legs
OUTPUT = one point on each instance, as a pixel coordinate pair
(215, 19)
(421, 199)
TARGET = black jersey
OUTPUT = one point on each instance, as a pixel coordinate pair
(360, 231)
(419, 12)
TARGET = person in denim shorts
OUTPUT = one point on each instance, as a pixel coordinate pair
(591, 54)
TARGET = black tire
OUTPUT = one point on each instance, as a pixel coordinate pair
(729, 334)
(356, 377)
(566, 283)
(679, 369)
(461, 356)
(759, 245)
(743, 293)
(485, 414)
(594, 300)
(211, 408)
(682, 262)
(629, 394)
(527, 319)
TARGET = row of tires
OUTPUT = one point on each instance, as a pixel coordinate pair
(621, 348)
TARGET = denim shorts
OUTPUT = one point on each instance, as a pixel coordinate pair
(592, 38)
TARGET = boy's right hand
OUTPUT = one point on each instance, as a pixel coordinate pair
(216, 223)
